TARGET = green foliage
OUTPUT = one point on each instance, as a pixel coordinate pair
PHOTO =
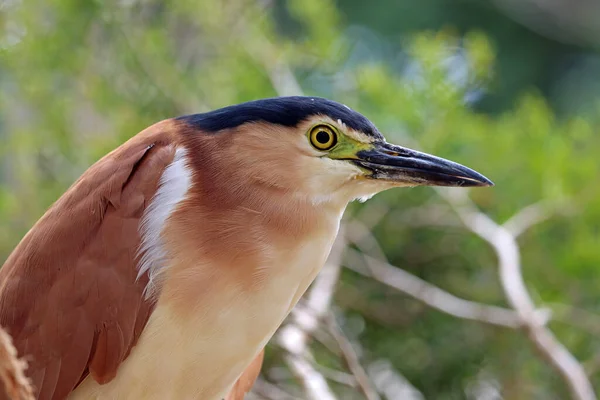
(85, 76)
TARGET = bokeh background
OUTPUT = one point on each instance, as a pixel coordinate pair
(507, 87)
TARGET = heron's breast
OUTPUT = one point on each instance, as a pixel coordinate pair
(200, 351)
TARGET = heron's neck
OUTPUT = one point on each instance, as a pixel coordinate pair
(241, 238)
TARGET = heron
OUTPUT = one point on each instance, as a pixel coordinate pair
(168, 265)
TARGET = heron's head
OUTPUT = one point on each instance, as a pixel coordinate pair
(320, 149)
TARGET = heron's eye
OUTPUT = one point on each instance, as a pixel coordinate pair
(323, 137)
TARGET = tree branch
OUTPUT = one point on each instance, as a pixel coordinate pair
(428, 293)
(530, 216)
(507, 250)
(271, 392)
(392, 384)
(351, 358)
(314, 383)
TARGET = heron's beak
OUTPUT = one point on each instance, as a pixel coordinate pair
(393, 163)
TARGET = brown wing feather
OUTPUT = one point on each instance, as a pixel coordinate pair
(247, 379)
(68, 292)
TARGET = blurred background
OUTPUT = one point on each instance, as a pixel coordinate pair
(422, 297)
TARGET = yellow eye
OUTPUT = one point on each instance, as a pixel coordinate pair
(323, 137)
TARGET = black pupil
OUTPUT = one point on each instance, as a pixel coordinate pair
(322, 137)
